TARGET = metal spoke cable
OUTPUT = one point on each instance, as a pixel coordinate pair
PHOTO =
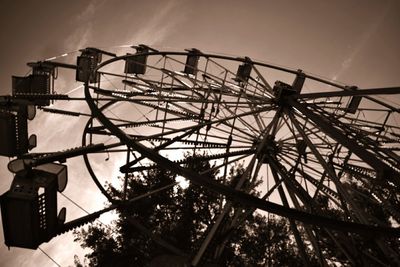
(48, 256)
(109, 110)
(73, 202)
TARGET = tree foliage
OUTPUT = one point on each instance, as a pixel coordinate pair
(356, 249)
(169, 227)
(173, 224)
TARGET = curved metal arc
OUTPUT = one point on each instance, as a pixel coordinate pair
(235, 195)
(361, 92)
(205, 55)
(86, 159)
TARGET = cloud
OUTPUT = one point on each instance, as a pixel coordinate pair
(84, 32)
(159, 26)
(365, 38)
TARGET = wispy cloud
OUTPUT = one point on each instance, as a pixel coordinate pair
(365, 38)
(84, 32)
(159, 26)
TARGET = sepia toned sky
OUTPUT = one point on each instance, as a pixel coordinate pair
(355, 42)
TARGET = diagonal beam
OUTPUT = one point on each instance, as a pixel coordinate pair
(341, 138)
(228, 206)
(296, 233)
(362, 92)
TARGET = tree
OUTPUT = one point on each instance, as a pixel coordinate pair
(171, 226)
(356, 249)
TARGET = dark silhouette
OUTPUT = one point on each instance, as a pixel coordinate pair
(169, 228)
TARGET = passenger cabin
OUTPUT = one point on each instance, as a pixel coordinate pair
(14, 130)
(192, 61)
(244, 71)
(29, 208)
(36, 84)
(298, 82)
(86, 65)
(282, 90)
(136, 64)
(354, 101)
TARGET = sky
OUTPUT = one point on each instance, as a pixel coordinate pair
(354, 42)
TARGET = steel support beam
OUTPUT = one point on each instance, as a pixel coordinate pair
(369, 158)
(362, 92)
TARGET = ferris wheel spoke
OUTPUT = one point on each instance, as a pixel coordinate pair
(230, 89)
(289, 181)
(265, 85)
(174, 77)
(358, 92)
(360, 151)
(167, 143)
(65, 112)
(369, 141)
(311, 168)
(244, 122)
(307, 204)
(361, 216)
(225, 163)
(318, 184)
(293, 227)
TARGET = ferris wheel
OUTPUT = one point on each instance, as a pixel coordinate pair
(309, 139)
